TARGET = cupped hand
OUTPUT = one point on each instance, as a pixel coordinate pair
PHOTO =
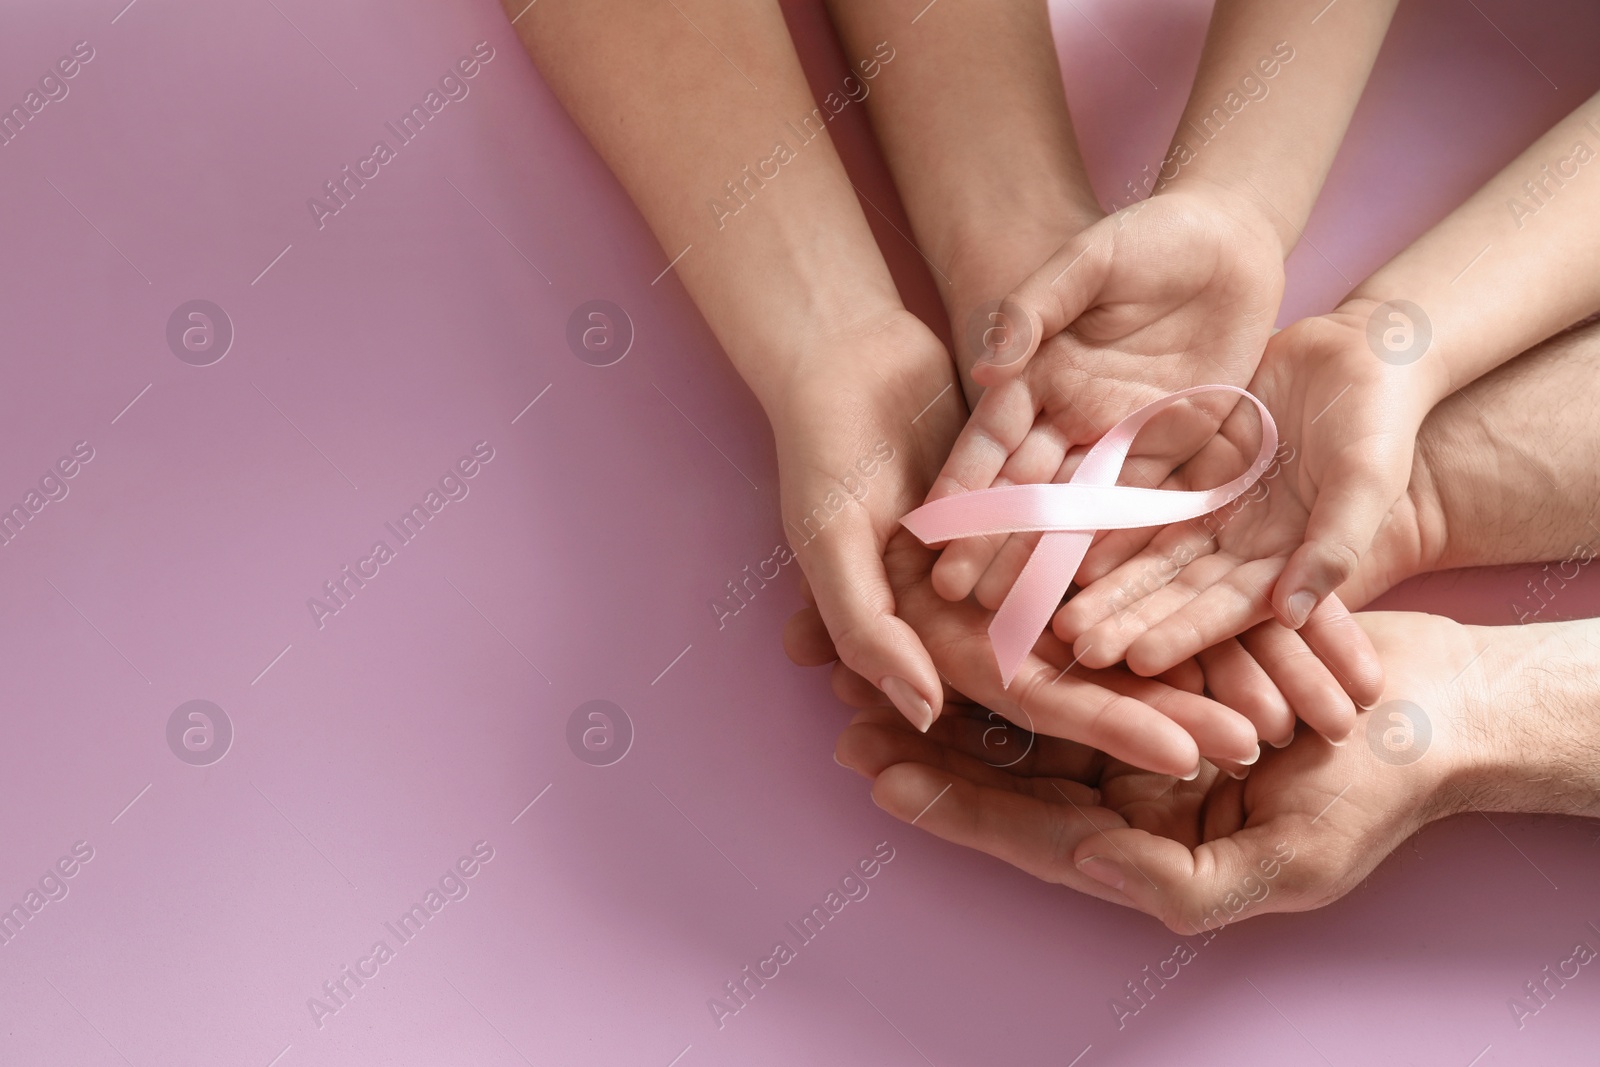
(1302, 828)
(1349, 424)
(1177, 290)
(1164, 724)
(859, 437)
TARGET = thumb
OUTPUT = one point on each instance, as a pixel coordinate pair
(1044, 304)
(1215, 884)
(846, 572)
(1339, 532)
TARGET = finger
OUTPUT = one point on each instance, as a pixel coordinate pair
(806, 640)
(1026, 832)
(1340, 642)
(854, 599)
(1002, 571)
(1036, 460)
(1313, 693)
(1141, 574)
(1339, 532)
(1234, 678)
(870, 744)
(1138, 720)
(1045, 304)
(1219, 882)
(1226, 608)
(988, 736)
(1110, 641)
(1111, 550)
(854, 690)
(999, 425)
(1186, 676)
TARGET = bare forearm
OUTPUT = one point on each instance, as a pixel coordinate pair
(974, 123)
(1511, 266)
(1513, 460)
(1534, 738)
(701, 109)
(1277, 84)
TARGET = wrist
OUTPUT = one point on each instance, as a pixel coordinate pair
(1530, 739)
(888, 361)
(1400, 336)
(1240, 201)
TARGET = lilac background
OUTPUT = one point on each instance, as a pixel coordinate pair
(426, 715)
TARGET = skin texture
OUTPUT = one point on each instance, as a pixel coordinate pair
(680, 99)
(1506, 471)
(1350, 391)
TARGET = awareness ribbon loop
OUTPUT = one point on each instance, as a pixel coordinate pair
(1069, 514)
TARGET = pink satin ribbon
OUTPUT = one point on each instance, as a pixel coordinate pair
(1069, 514)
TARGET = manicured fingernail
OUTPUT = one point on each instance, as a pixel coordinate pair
(1300, 606)
(1102, 870)
(1191, 776)
(1285, 742)
(1251, 761)
(918, 712)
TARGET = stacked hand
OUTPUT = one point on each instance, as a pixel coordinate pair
(1142, 712)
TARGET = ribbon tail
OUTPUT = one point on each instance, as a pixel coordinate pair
(1034, 598)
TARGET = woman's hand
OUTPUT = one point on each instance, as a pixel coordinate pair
(1164, 724)
(1300, 830)
(860, 433)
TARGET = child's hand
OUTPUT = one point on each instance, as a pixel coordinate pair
(1174, 291)
(1349, 422)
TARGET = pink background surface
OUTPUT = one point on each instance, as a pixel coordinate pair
(371, 754)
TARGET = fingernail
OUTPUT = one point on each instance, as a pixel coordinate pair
(1285, 742)
(918, 712)
(1252, 759)
(1237, 776)
(1102, 870)
(1345, 740)
(838, 761)
(1192, 775)
(1300, 606)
